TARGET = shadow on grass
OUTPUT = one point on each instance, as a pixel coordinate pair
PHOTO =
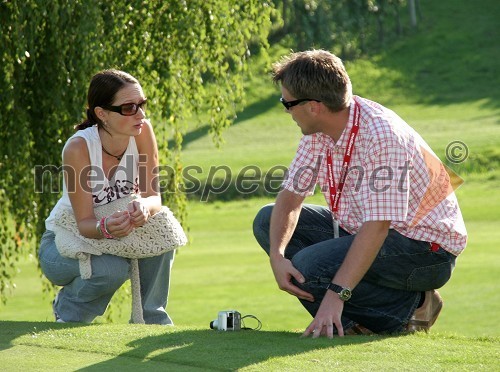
(257, 108)
(183, 349)
(10, 330)
(208, 349)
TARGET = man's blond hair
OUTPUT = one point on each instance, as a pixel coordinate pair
(315, 74)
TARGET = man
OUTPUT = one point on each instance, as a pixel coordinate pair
(371, 261)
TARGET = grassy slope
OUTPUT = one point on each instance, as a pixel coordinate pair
(446, 85)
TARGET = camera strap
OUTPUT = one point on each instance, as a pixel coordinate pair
(256, 328)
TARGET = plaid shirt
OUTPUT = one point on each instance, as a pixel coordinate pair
(393, 176)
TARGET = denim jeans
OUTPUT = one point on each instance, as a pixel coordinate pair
(390, 291)
(81, 300)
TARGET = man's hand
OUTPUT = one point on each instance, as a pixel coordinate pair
(327, 317)
(284, 271)
(360, 257)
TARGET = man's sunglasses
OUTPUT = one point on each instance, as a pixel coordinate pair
(127, 109)
(290, 104)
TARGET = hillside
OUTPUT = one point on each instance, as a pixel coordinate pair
(443, 79)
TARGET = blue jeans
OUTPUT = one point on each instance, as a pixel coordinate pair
(81, 300)
(390, 291)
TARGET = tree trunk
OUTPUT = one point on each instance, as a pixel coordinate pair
(413, 13)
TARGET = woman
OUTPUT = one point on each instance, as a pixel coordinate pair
(112, 154)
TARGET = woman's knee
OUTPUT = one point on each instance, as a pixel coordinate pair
(56, 268)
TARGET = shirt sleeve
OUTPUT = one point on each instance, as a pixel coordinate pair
(302, 174)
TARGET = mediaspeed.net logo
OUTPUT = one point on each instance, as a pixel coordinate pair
(443, 181)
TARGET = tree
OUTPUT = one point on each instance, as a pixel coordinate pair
(348, 27)
(189, 56)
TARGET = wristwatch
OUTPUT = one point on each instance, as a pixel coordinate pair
(343, 292)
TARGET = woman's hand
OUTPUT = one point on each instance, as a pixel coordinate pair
(119, 224)
(139, 213)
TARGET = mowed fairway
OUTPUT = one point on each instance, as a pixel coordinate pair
(442, 82)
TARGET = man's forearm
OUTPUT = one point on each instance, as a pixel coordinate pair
(284, 219)
(362, 253)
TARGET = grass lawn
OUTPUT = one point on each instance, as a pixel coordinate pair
(442, 81)
(224, 269)
(58, 347)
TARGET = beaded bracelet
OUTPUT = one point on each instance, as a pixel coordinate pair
(104, 229)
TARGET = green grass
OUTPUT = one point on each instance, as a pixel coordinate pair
(156, 348)
(444, 81)
(223, 268)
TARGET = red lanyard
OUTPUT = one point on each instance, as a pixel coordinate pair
(336, 192)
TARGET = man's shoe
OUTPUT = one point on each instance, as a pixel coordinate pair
(358, 329)
(424, 317)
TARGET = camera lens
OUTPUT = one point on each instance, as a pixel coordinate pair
(213, 324)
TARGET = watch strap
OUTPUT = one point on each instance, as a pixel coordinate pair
(334, 287)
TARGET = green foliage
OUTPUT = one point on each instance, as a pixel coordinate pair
(349, 27)
(188, 55)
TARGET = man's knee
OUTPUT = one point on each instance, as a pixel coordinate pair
(263, 218)
(302, 264)
(311, 265)
(261, 224)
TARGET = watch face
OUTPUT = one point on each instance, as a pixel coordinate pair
(345, 294)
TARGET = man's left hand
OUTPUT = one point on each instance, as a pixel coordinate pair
(327, 317)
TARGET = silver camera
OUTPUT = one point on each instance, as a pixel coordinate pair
(229, 320)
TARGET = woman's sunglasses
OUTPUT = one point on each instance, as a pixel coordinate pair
(127, 109)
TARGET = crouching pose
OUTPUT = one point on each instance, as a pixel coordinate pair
(112, 155)
(372, 260)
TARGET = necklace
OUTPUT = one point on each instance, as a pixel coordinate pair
(119, 157)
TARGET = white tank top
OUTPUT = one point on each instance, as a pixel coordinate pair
(125, 179)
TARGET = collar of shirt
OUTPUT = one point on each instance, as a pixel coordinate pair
(341, 143)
